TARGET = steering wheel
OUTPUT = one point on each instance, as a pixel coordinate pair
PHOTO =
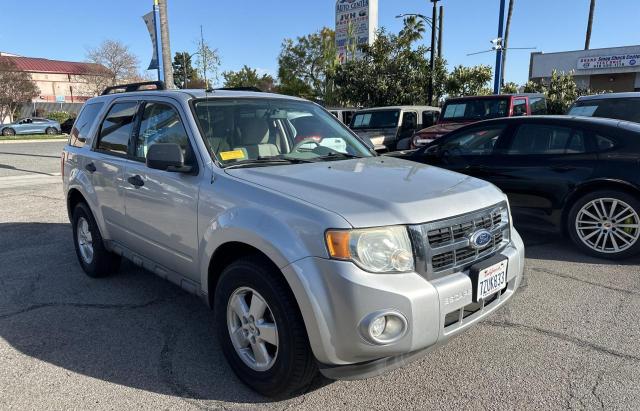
(307, 140)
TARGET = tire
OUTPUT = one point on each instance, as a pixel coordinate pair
(51, 131)
(8, 132)
(606, 224)
(101, 262)
(292, 366)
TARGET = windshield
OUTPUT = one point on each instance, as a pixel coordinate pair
(265, 131)
(376, 119)
(617, 108)
(475, 109)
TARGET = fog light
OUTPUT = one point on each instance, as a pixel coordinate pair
(377, 326)
(383, 327)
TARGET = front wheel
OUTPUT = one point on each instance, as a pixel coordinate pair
(606, 224)
(8, 132)
(261, 329)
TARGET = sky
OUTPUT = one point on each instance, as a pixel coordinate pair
(251, 32)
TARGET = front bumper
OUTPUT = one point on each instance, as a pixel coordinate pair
(335, 296)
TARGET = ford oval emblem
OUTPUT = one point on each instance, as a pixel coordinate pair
(480, 239)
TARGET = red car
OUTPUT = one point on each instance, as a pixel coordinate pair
(458, 112)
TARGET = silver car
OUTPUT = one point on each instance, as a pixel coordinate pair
(314, 252)
(30, 125)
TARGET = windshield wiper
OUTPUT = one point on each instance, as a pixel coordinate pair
(266, 161)
(335, 155)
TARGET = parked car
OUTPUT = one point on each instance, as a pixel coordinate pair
(621, 106)
(313, 255)
(461, 111)
(389, 128)
(343, 114)
(30, 125)
(573, 175)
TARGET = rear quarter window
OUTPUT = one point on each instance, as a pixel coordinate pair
(84, 123)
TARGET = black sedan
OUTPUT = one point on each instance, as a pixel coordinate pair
(572, 175)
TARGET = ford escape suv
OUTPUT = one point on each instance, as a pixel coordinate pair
(314, 252)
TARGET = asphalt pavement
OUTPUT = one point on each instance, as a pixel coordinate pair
(570, 339)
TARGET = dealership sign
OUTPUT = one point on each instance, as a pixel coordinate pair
(606, 62)
(356, 23)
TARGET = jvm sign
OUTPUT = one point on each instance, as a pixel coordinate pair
(605, 62)
(356, 23)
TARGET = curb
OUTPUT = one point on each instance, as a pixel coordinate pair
(37, 140)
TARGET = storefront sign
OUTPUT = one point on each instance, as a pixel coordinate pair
(607, 62)
(356, 23)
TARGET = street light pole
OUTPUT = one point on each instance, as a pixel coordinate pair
(434, 18)
(498, 77)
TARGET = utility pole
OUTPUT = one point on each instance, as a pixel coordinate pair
(440, 29)
(587, 41)
(498, 79)
(434, 18)
(166, 46)
(203, 56)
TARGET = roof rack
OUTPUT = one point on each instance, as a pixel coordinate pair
(127, 88)
(256, 89)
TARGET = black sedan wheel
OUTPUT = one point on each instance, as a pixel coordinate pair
(606, 224)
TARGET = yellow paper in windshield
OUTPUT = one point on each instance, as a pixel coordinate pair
(232, 155)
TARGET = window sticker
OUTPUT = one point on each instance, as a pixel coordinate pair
(232, 155)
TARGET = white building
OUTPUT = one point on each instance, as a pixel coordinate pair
(616, 69)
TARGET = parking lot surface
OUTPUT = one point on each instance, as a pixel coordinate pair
(570, 339)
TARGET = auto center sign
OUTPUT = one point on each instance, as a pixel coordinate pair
(356, 23)
(607, 62)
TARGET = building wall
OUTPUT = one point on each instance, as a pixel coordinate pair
(73, 88)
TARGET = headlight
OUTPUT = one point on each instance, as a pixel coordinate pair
(378, 250)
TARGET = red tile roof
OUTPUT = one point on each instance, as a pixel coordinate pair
(38, 65)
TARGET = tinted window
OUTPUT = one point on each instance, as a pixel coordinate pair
(546, 139)
(604, 143)
(409, 120)
(519, 107)
(538, 106)
(376, 119)
(348, 115)
(160, 124)
(82, 126)
(618, 108)
(429, 118)
(116, 128)
(475, 109)
(477, 142)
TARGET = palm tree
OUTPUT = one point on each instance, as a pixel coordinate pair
(413, 29)
(505, 41)
(587, 41)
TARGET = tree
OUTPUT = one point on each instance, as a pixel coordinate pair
(413, 29)
(305, 64)
(389, 72)
(561, 91)
(208, 62)
(510, 88)
(248, 77)
(505, 42)
(592, 8)
(469, 81)
(17, 88)
(181, 66)
(118, 65)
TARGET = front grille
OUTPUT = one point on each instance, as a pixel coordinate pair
(447, 242)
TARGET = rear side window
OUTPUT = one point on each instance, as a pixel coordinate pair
(83, 124)
(519, 107)
(618, 108)
(116, 128)
(547, 139)
(538, 106)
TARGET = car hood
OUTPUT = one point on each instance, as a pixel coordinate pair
(441, 129)
(377, 191)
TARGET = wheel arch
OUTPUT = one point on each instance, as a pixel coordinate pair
(74, 197)
(596, 185)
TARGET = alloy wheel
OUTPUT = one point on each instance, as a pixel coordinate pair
(85, 240)
(608, 225)
(252, 329)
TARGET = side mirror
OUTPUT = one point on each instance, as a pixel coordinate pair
(167, 157)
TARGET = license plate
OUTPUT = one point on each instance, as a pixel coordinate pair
(491, 280)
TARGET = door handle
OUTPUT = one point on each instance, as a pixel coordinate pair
(90, 167)
(136, 181)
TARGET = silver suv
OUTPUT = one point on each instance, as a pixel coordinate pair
(314, 252)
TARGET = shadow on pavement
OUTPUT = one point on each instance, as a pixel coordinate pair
(131, 329)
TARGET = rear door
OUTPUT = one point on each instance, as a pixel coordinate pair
(108, 165)
(162, 206)
(540, 164)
